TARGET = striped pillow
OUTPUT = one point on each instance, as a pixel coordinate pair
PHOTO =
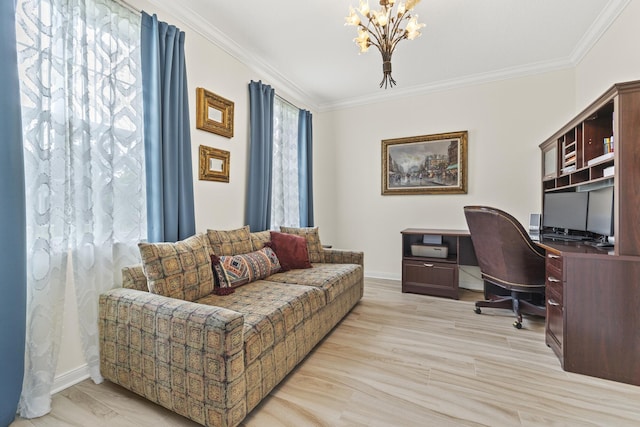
(238, 270)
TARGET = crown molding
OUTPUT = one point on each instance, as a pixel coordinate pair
(254, 62)
(503, 74)
(607, 17)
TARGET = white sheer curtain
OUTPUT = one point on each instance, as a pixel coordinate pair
(84, 163)
(285, 203)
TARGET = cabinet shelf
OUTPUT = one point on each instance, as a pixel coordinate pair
(449, 259)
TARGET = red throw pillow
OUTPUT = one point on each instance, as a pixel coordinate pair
(290, 249)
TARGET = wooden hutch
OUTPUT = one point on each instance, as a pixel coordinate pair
(593, 295)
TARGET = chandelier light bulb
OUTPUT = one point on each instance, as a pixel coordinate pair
(384, 29)
(364, 8)
(413, 27)
(353, 18)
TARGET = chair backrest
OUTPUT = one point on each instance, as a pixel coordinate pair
(506, 255)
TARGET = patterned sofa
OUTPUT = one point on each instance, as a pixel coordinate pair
(214, 359)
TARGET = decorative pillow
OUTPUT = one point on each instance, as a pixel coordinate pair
(178, 270)
(290, 249)
(220, 279)
(230, 242)
(259, 238)
(238, 270)
(311, 234)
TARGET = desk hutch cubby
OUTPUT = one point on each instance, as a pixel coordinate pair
(593, 295)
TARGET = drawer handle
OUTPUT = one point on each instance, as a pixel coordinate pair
(553, 303)
(553, 279)
(553, 256)
(428, 265)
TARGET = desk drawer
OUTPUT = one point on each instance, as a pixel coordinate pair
(430, 278)
(431, 273)
(553, 261)
(554, 287)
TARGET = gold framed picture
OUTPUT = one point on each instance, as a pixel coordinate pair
(214, 164)
(426, 164)
(214, 113)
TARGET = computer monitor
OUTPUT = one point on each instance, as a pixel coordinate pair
(565, 210)
(600, 214)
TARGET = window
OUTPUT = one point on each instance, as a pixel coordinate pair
(285, 202)
(81, 96)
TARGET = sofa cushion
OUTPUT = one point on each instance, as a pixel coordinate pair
(312, 236)
(290, 249)
(178, 270)
(259, 238)
(230, 242)
(333, 279)
(272, 311)
(246, 268)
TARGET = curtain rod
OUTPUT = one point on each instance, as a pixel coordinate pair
(289, 102)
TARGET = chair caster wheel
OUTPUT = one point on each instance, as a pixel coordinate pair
(477, 310)
(517, 325)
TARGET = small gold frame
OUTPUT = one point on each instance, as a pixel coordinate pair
(425, 164)
(214, 164)
(214, 113)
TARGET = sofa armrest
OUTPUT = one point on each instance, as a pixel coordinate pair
(185, 356)
(341, 256)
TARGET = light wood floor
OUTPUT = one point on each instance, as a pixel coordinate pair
(400, 360)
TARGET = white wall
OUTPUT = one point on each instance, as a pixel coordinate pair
(506, 121)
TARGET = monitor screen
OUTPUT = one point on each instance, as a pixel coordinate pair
(565, 210)
(600, 215)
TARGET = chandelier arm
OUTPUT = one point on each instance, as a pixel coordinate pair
(397, 40)
(376, 36)
(379, 36)
(397, 22)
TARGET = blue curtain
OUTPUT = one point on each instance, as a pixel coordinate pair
(258, 214)
(167, 137)
(13, 262)
(305, 168)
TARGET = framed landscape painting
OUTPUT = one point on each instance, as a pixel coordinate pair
(427, 164)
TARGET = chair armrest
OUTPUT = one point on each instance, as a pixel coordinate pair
(342, 256)
(172, 351)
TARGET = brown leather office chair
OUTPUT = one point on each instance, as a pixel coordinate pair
(508, 259)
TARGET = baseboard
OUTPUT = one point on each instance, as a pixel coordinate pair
(382, 275)
(469, 277)
(70, 378)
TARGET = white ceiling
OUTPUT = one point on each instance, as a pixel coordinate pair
(304, 47)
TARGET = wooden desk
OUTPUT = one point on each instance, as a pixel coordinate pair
(593, 319)
(592, 299)
(435, 276)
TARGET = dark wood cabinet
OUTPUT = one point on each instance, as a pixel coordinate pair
(592, 318)
(433, 275)
(593, 295)
(554, 294)
(425, 276)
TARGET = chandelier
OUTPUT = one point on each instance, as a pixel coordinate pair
(383, 29)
